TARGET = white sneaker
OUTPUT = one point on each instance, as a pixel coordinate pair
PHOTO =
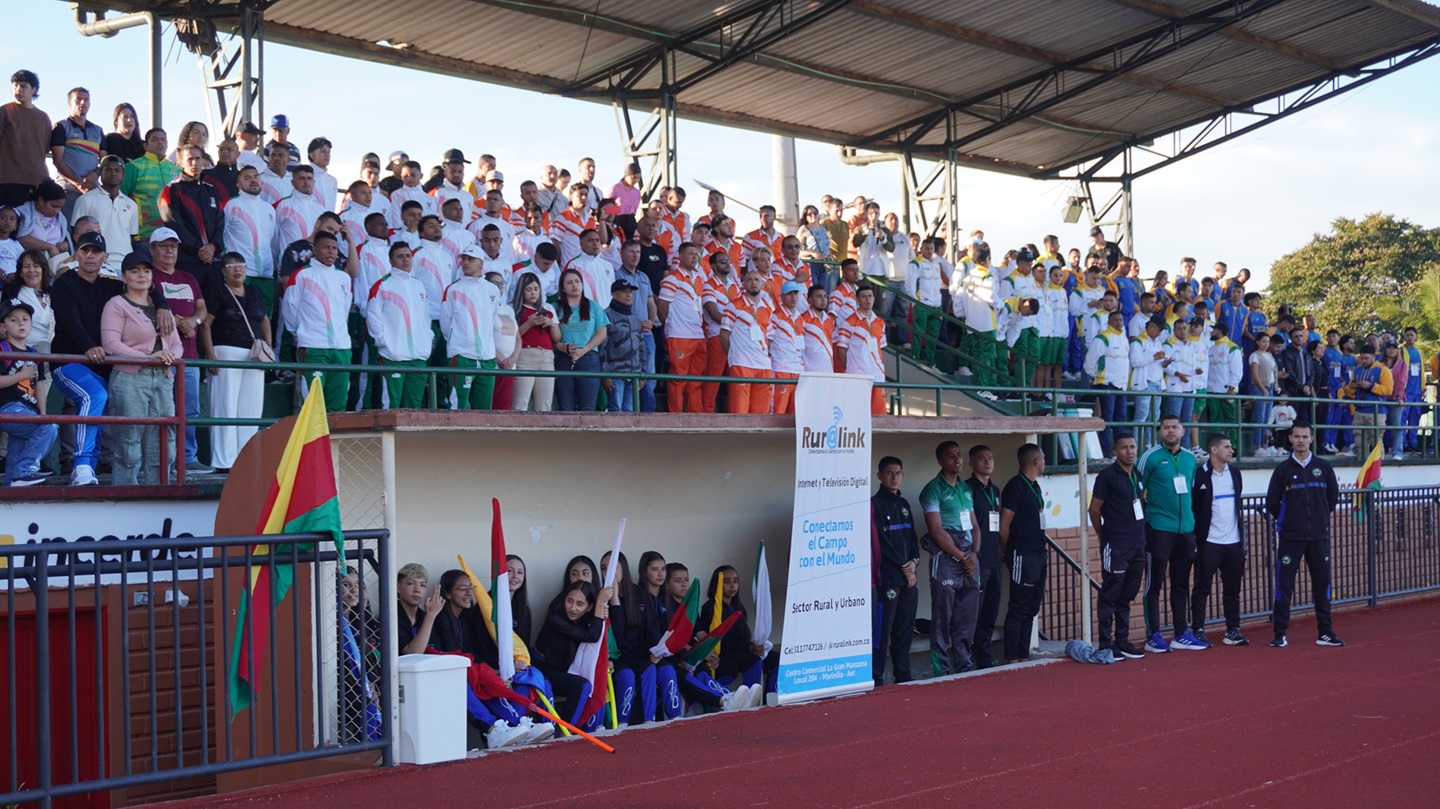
(1399, 456)
(757, 696)
(536, 731)
(772, 700)
(503, 735)
(83, 476)
(736, 700)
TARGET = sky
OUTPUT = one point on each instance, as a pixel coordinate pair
(1248, 202)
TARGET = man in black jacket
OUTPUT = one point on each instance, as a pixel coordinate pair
(1296, 373)
(986, 497)
(1302, 496)
(897, 595)
(1219, 537)
(191, 207)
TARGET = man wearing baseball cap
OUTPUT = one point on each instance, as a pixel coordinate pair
(248, 136)
(79, 298)
(453, 184)
(787, 344)
(187, 303)
(118, 215)
(623, 351)
(280, 133)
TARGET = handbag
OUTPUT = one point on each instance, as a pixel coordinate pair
(260, 351)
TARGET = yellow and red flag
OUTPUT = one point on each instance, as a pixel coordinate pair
(1369, 478)
(303, 499)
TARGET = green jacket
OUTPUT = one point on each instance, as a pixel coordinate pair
(1166, 508)
(145, 177)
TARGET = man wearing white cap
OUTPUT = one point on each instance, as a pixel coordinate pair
(187, 303)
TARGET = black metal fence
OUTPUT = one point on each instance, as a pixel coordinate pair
(118, 652)
(1393, 551)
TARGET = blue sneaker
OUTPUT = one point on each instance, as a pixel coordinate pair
(1187, 641)
(1157, 645)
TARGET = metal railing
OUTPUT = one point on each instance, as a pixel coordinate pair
(1393, 552)
(118, 654)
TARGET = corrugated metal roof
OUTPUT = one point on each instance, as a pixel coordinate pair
(877, 73)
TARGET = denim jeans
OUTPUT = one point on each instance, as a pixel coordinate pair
(1146, 406)
(572, 393)
(622, 400)
(647, 389)
(148, 392)
(1260, 415)
(192, 411)
(1108, 403)
(28, 443)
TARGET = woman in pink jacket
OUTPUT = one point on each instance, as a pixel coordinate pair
(127, 329)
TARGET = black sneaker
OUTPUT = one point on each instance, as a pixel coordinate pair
(1130, 650)
(1114, 653)
(1234, 638)
(1329, 639)
(1279, 642)
(34, 479)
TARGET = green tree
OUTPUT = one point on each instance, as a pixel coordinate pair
(1354, 277)
(1418, 308)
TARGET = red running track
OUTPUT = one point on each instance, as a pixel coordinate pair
(1304, 726)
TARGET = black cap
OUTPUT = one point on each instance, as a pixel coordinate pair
(91, 239)
(622, 285)
(249, 128)
(134, 259)
(6, 307)
(454, 156)
(1023, 254)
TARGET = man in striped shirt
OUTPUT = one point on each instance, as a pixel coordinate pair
(566, 228)
(819, 326)
(787, 345)
(862, 343)
(679, 307)
(843, 303)
(743, 337)
(764, 236)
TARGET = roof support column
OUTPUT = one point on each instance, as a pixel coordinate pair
(232, 68)
(1118, 212)
(653, 137)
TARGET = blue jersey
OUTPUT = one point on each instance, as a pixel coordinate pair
(1413, 362)
(1234, 317)
(1130, 290)
(1335, 368)
(1257, 323)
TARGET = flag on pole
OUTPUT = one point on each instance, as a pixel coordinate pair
(500, 594)
(1369, 478)
(486, 605)
(592, 660)
(682, 624)
(711, 643)
(303, 498)
(719, 601)
(764, 610)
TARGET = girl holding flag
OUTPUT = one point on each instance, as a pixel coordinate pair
(657, 603)
(577, 616)
(519, 597)
(637, 626)
(739, 654)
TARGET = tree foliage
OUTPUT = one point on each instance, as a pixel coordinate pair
(1362, 276)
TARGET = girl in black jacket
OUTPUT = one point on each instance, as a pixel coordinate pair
(739, 654)
(576, 616)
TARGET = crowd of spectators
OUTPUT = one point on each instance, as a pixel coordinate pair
(257, 251)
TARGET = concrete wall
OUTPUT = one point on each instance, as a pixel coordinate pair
(702, 499)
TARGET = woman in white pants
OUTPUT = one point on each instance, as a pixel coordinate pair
(236, 321)
(539, 332)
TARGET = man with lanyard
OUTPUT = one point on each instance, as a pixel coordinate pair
(985, 496)
(1167, 476)
(954, 585)
(1220, 535)
(1370, 387)
(1414, 389)
(1117, 514)
(1301, 498)
(1022, 539)
(899, 555)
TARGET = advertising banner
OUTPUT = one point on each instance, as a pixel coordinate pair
(825, 650)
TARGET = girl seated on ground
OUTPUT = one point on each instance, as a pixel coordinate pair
(461, 627)
(739, 655)
(519, 598)
(700, 690)
(577, 616)
(637, 628)
(654, 598)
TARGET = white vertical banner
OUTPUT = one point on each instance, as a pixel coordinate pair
(826, 648)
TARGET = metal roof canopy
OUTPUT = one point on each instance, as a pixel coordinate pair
(1041, 88)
